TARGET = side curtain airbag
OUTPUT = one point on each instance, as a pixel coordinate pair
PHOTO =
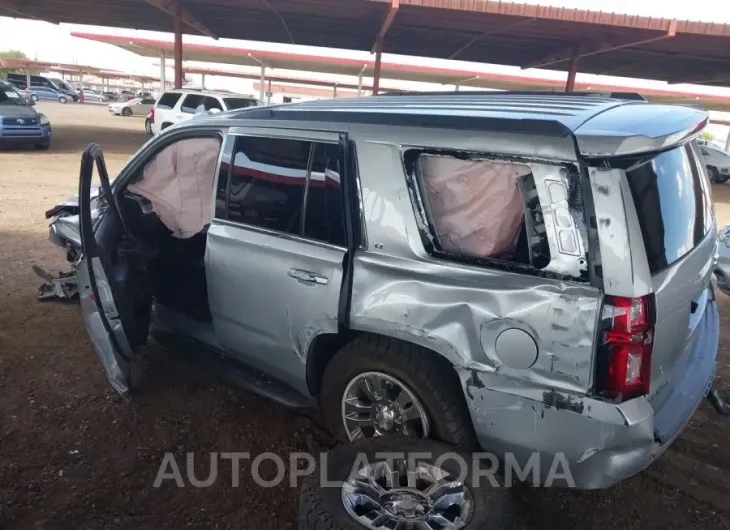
(475, 205)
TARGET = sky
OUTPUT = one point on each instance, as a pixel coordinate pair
(50, 42)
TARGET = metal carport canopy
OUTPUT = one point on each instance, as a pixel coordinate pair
(306, 60)
(523, 35)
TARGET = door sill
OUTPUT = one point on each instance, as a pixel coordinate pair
(231, 371)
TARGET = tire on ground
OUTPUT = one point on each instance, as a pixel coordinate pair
(321, 506)
(430, 376)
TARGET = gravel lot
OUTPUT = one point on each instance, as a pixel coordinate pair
(73, 455)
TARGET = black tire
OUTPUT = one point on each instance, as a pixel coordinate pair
(34, 98)
(429, 376)
(321, 508)
(62, 100)
(126, 111)
(713, 173)
(148, 126)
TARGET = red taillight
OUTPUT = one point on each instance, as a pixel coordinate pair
(152, 115)
(626, 348)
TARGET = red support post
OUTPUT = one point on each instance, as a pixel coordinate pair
(376, 72)
(178, 49)
(575, 59)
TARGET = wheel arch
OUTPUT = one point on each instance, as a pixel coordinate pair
(325, 347)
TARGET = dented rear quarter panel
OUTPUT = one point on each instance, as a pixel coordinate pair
(459, 310)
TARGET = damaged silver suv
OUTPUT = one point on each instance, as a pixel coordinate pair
(523, 272)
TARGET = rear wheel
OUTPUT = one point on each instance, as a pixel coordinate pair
(62, 99)
(715, 175)
(126, 111)
(34, 98)
(378, 386)
(148, 126)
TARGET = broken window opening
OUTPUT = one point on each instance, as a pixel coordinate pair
(500, 224)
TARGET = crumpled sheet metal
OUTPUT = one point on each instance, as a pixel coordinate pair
(602, 443)
(563, 214)
(460, 311)
(61, 287)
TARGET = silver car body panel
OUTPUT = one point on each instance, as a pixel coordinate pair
(623, 256)
(637, 128)
(522, 343)
(458, 310)
(102, 338)
(303, 275)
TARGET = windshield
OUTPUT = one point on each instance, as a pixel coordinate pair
(10, 96)
(240, 103)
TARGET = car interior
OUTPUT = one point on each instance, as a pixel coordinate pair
(166, 211)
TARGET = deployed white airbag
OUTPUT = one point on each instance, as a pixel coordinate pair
(475, 205)
(178, 182)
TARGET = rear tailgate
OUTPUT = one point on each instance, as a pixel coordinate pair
(671, 194)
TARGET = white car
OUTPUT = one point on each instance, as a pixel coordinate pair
(90, 95)
(178, 105)
(717, 162)
(133, 107)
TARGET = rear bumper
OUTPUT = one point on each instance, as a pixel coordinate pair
(597, 443)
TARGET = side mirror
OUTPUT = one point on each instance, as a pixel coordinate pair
(214, 111)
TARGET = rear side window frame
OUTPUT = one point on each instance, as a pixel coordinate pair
(159, 103)
(228, 150)
(427, 231)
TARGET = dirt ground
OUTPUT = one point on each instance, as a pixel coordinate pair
(73, 455)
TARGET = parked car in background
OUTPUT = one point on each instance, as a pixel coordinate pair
(179, 105)
(148, 123)
(20, 123)
(126, 95)
(93, 95)
(449, 264)
(133, 107)
(717, 162)
(48, 94)
(39, 81)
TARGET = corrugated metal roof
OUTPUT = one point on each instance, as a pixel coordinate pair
(484, 31)
(582, 16)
